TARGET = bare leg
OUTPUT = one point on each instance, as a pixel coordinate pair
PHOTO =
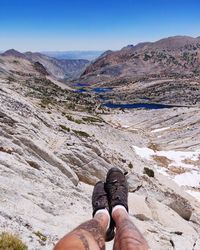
(89, 235)
(127, 236)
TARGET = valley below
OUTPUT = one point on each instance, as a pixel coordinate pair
(57, 139)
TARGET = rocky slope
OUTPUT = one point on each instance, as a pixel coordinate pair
(55, 144)
(59, 68)
(173, 56)
(173, 91)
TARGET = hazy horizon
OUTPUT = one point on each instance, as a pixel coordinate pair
(93, 25)
(95, 50)
(52, 51)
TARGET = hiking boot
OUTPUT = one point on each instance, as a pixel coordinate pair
(99, 197)
(116, 187)
(100, 201)
(110, 234)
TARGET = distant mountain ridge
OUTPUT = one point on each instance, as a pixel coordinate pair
(59, 68)
(179, 55)
(14, 53)
(172, 56)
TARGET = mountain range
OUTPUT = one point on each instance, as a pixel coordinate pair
(58, 68)
(172, 56)
(177, 56)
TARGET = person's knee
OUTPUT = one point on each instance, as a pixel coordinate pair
(94, 230)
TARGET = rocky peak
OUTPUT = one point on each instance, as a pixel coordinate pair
(105, 53)
(130, 46)
(173, 43)
(14, 53)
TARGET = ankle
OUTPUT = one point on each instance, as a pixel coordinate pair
(119, 212)
(103, 216)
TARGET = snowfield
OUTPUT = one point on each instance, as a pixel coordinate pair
(184, 160)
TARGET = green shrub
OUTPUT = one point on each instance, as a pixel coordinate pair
(70, 118)
(41, 236)
(45, 102)
(146, 57)
(64, 128)
(81, 133)
(91, 119)
(148, 172)
(15, 61)
(10, 79)
(130, 165)
(11, 242)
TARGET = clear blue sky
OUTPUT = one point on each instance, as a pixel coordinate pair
(40, 25)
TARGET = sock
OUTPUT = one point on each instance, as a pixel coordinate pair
(104, 211)
(118, 207)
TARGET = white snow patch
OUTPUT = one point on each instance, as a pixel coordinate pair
(191, 179)
(125, 126)
(177, 157)
(195, 194)
(162, 171)
(187, 179)
(159, 129)
(144, 152)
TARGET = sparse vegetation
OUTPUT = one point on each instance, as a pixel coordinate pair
(44, 103)
(72, 119)
(154, 147)
(15, 61)
(11, 242)
(130, 165)
(146, 57)
(148, 172)
(10, 79)
(91, 119)
(41, 236)
(34, 164)
(6, 150)
(81, 133)
(192, 162)
(63, 127)
(162, 161)
(177, 170)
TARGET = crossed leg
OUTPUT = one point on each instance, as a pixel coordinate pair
(127, 235)
(91, 234)
(88, 236)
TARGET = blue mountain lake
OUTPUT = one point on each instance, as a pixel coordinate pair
(138, 105)
(122, 106)
(101, 90)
